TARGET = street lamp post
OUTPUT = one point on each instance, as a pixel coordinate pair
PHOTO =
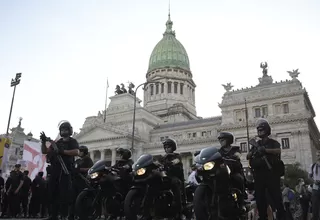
(134, 110)
(14, 83)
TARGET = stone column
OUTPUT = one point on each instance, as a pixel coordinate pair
(113, 156)
(92, 155)
(102, 154)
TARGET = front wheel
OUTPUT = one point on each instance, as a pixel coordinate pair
(132, 204)
(202, 202)
(87, 206)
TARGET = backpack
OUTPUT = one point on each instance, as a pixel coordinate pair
(290, 195)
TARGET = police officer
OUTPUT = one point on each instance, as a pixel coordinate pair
(174, 167)
(264, 159)
(60, 181)
(124, 168)
(82, 165)
(24, 192)
(125, 159)
(233, 152)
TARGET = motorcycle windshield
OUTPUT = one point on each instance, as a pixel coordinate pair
(208, 154)
(98, 166)
(143, 161)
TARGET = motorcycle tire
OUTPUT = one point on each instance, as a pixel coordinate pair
(131, 210)
(85, 210)
(201, 203)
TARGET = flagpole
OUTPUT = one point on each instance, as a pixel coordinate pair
(105, 105)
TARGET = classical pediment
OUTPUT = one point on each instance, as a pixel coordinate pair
(100, 133)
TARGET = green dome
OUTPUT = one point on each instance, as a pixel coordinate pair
(169, 52)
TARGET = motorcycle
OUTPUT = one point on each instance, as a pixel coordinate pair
(104, 192)
(151, 193)
(215, 198)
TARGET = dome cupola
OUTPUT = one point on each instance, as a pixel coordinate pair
(169, 52)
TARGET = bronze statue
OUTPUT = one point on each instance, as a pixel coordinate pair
(227, 87)
(294, 73)
(130, 87)
(264, 67)
(123, 89)
(118, 90)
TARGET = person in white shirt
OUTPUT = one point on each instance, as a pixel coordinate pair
(192, 177)
(314, 173)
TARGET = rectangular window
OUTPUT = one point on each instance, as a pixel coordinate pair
(161, 139)
(208, 133)
(157, 88)
(169, 87)
(264, 111)
(285, 143)
(151, 89)
(181, 88)
(204, 133)
(277, 109)
(162, 87)
(238, 116)
(189, 135)
(243, 147)
(257, 113)
(194, 134)
(285, 108)
(17, 150)
(176, 88)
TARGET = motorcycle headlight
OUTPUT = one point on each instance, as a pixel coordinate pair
(141, 171)
(229, 171)
(94, 175)
(208, 166)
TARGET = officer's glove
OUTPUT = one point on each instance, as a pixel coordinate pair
(43, 137)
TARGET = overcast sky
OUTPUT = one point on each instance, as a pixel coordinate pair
(66, 50)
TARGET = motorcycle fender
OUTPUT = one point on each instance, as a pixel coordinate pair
(89, 189)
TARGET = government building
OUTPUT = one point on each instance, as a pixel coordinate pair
(169, 111)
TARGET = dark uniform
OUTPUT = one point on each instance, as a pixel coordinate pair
(5, 201)
(233, 152)
(60, 184)
(79, 176)
(38, 192)
(24, 193)
(174, 168)
(13, 196)
(266, 179)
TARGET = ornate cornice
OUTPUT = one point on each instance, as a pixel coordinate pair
(108, 139)
(183, 142)
(260, 98)
(275, 121)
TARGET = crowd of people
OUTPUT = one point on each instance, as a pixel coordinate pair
(23, 197)
(55, 196)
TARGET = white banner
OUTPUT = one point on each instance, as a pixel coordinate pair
(35, 160)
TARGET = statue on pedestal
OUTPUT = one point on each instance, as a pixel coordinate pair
(227, 87)
(118, 90)
(264, 67)
(123, 89)
(130, 87)
(294, 74)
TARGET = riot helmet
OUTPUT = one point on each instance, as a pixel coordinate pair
(226, 136)
(65, 129)
(169, 143)
(125, 154)
(84, 150)
(263, 128)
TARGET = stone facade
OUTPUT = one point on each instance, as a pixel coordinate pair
(169, 111)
